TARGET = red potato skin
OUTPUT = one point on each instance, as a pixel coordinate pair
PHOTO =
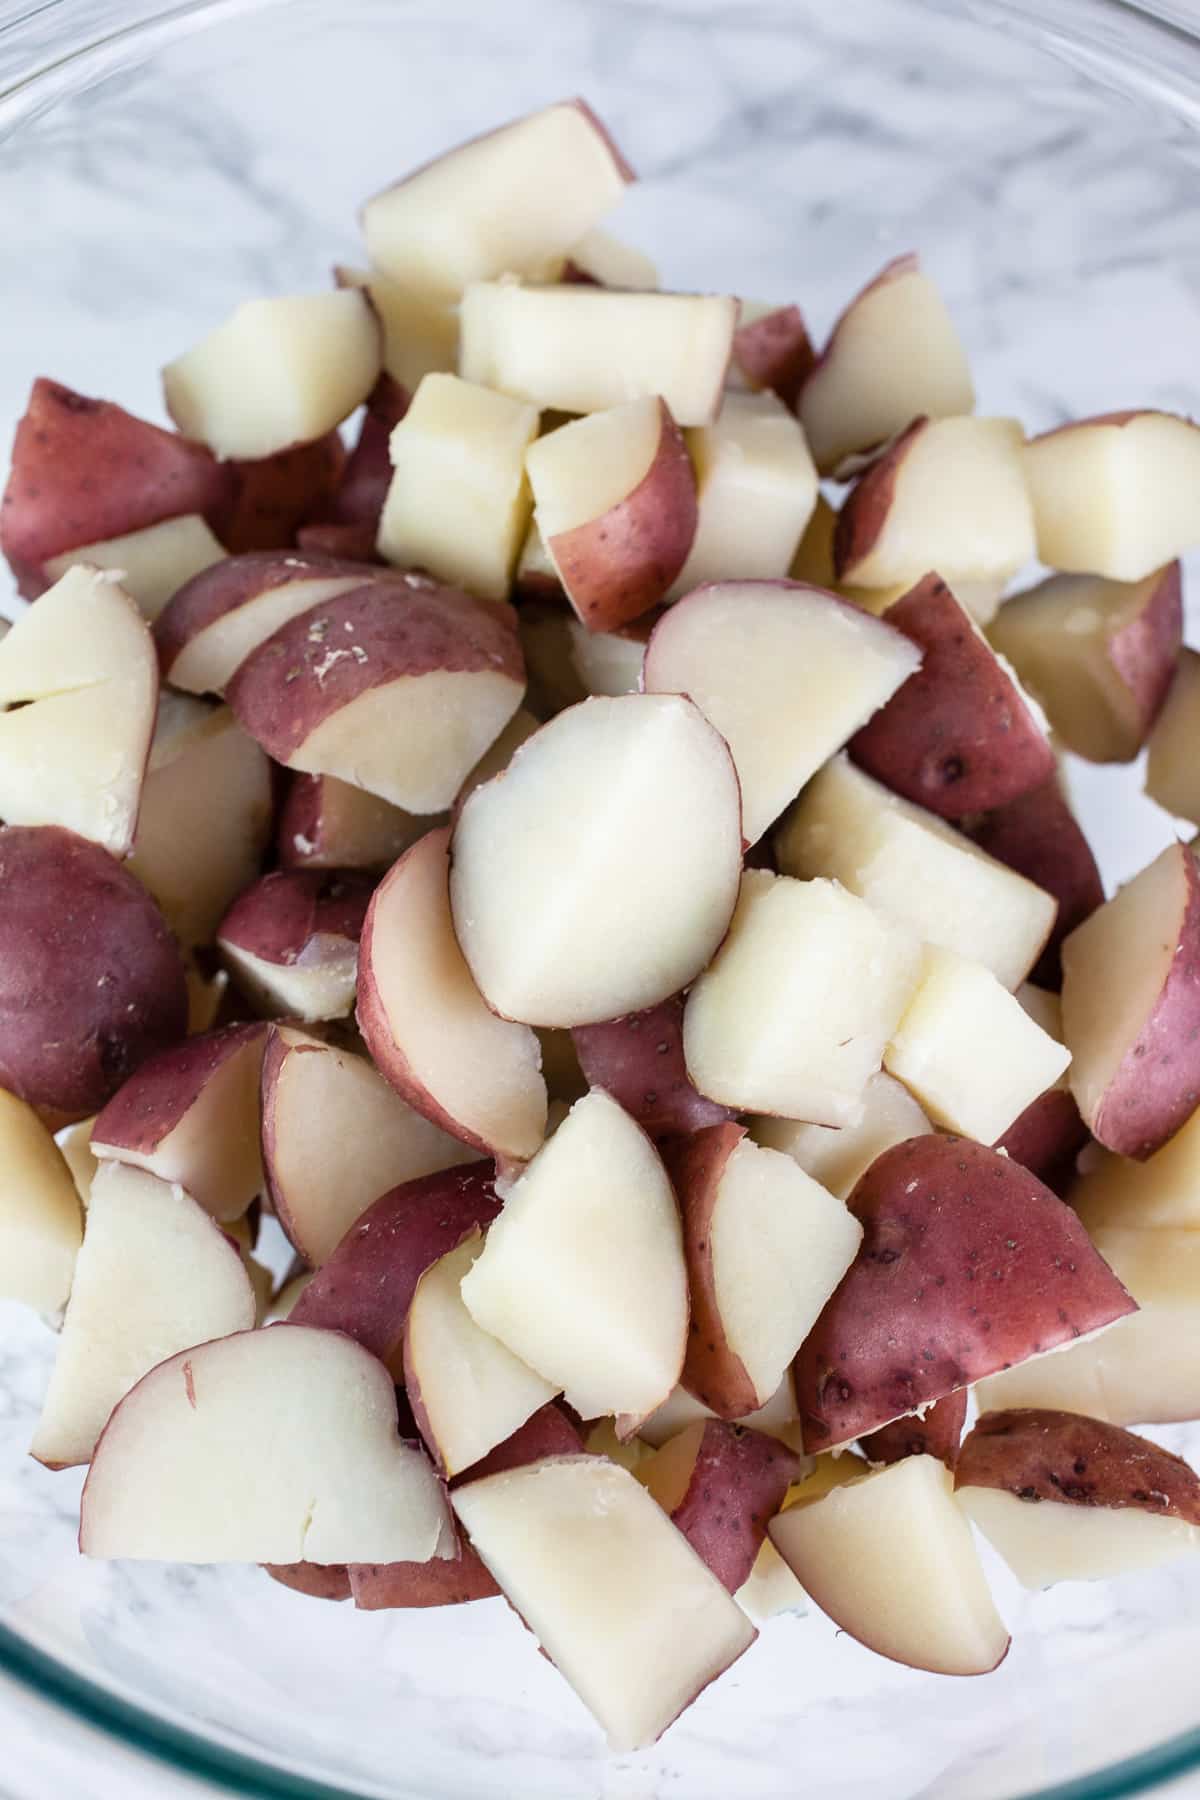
(359, 496)
(938, 1434)
(354, 542)
(866, 507)
(85, 470)
(1046, 1139)
(381, 632)
(320, 1581)
(737, 1485)
(278, 916)
(91, 980)
(711, 1370)
(366, 1287)
(158, 1094)
(1146, 651)
(968, 1265)
(776, 352)
(272, 496)
(1039, 836)
(638, 1059)
(303, 818)
(956, 737)
(1038, 1454)
(616, 567)
(547, 1432)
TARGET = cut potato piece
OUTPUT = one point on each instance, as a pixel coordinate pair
(969, 1051)
(743, 651)
(155, 1275)
(639, 1060)
(793, 1015)
(150, 564)
(516, 199)
(420, 333)
(274, 496)
(837, 1156)
(41, 1226)
(327, 824)
(1173, 768)
(582, 349)
(891, 1560)
(616, 506)
(937, 1431)
(609, 262)
(680, 1408)
(598, 875)
(618, 1599)
(267, 1446)
(75, 1142)
(458, 504)
(79, 683)
(913, 868)
(583, 1275)
(1098, 654)
(291, 942)
(720, 1485)
(1160, 1194)
(426, 1024)
(771, 350)
(276, 373)
(1116, 495)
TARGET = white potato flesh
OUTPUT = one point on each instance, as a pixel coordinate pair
(777, 1417)
(1048, 1541)
(837, 1156)
(609, 663)
(320, 1100)
(497, 756)
(535, 560)
(468, 1390)
(793, 1015)
(514, 199)
(894, 356)
(914, 868)
(41, 1226)
(584, 468)
(1162, 1193)
(276, 373)
(205, 994)
(959, 504)
(75, 1142)
(155, 1275)
(152, 563)
(79, 675)
(582, 349)
(755, 487)
(582, 1275)
(969, 1051)
(208, 663)
(420, 333)
(780, 1244)
(274, 1446)
(1116, 497)
(616, 1596)
(281, 1306)
(770, 1588)
(785, 674)
(598, 875)
(612, 262)
(891, 1560)
(458, 504)
(1172, 766)
(319, 984)
(478, 1071)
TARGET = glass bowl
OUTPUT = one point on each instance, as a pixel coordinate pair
(158, 165)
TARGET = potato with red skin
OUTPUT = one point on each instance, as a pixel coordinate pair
(721, 1485)
(959, 736)
(320, 1581)
(937, 1433)
(772, 349)
(272, 496)
(91, 980)
(547, 1432)
(85, 470)
(353, 540)
(358, 496)
(325, 823)
(968, 1265)
(291, 940)
(639, 1060)
(1046, 1139)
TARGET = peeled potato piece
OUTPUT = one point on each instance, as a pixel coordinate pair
(41, 1226)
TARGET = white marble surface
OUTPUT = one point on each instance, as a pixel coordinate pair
(788, 146)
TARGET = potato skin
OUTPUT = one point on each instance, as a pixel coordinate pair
(737, 1485)
(280, 914)
(776, 352)
(91, 980)
(225, 586)
(957, 737)
(272, 496)
(321, 1581)
(158, 1094)
(711, 1369)
(639, 1060)
(547, 1432)
(1046, 1139)
(968, 1264)
(938, 1434)
(362, 489)
(1038, 1454)
(866, 507)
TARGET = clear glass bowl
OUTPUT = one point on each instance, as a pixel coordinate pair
(156, 166)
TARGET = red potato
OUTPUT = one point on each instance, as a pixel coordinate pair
(1039, 836)
(771, 350)
(458, 501)
(837, 1155)
(1098, 654)
(514, 199)
(85, 471)
(79, 689)
(960, 735)
(272, 496)
(427, 1025)
(420, 332)
(937, 1432)
(940, 1213)
(1048, 1136)
(1064, 1498)
(567, 663)
(354, 542)
(743, 650)
(91, 981)
(1172, 777)
(331, 1482)
(150, 564)
(765, 1247)
(1115, 495)
(606, 261)
(893, 356)
(1131, 1007)
(329, 1581)
(41, 1225)
(638, 1059)
(361, 489)
(327, 824)
(291, 941)
(720, 1485)
(397, 686)
(777, 1418)
(276, 374)
(616, 502)
(155, 1274)
(495, 758)
(1160, 1194)
(366, 1284)
(191, 1115)
(547, 1432)
(615, 1595)
(570, 909)
(947, 494)
(535, 576)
